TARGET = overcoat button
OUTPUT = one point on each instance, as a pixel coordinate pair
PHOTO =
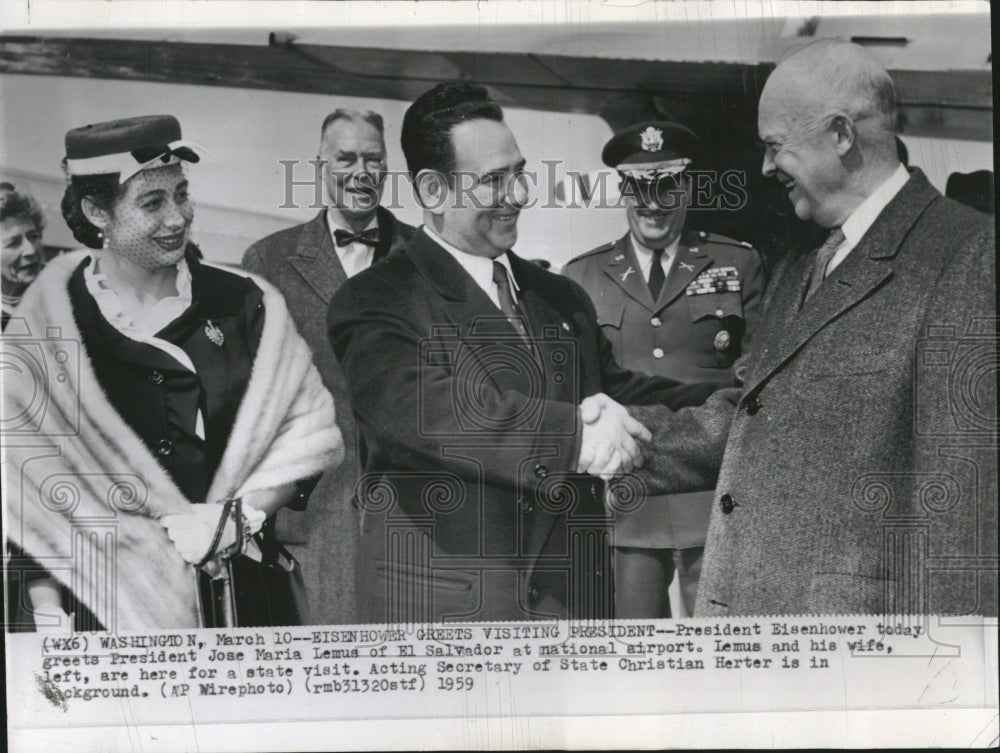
(164, 447)
(155, 377)
(541, 471)
(726, 503)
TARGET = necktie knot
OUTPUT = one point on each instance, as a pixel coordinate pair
(345, 237)
(824, 254)
(500, 274)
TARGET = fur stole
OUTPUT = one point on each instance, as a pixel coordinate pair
(83, 495)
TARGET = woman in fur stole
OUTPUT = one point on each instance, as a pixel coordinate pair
(144, 388)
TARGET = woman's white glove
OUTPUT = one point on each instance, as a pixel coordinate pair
(192, 532)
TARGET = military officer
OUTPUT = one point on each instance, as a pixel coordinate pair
(674, 302)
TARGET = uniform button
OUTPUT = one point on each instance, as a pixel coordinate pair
(155, 377)
(657, 352)
(752, 406)
(541, 471)
(720, 312)
(655, 321)
(532, 594)
(164, 447)
(726, 503)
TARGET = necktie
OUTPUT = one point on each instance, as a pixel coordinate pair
(344, 237)
(823, 256)
(507, 304)
(656, 276)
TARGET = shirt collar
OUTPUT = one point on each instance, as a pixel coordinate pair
(480, 267)
(110, 304)
(864, 216)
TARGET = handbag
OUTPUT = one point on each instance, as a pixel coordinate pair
(250, 592)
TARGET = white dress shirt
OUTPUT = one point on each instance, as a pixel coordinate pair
(156, 318)
(644, 255)
(480, 268)
(354, 257)
(862, 218)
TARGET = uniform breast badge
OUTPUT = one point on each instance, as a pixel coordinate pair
(214, 334)
(716, 280)
(722, 340)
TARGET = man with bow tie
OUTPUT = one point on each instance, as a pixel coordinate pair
(675, 302)
(308, 263)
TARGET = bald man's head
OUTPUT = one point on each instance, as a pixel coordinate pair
(827, 116)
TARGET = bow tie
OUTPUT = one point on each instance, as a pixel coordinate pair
(344, 237)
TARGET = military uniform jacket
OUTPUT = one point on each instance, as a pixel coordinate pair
(701, 323)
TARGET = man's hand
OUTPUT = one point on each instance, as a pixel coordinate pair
(609, 446)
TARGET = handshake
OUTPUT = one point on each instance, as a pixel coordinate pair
(610, 445)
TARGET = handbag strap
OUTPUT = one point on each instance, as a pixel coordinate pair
(223, 517)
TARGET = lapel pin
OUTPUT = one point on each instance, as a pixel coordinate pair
(619, 257)
(693, 250)
(214, 334)
(627, 272)
(688, 267)
(565, 326)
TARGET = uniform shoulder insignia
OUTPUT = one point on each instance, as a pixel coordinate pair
(594, 251)
(716, 238)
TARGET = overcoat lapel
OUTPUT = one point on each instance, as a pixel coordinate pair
(867, 267)
(463, 302)
(316, 260)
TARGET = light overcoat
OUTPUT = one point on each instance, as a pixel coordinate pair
(860, 470)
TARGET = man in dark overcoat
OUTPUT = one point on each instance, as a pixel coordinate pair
(466, 364)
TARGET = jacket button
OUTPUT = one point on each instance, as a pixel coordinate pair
(541, 471)
(164, 447)
(720, 312)
(752, 405)
(657, 352)
(726, 503)
(155, 377)
(655, 321)
(532, 594)
(526, 506)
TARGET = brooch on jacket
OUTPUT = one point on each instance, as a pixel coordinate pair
(214, 334)
(716, 280)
